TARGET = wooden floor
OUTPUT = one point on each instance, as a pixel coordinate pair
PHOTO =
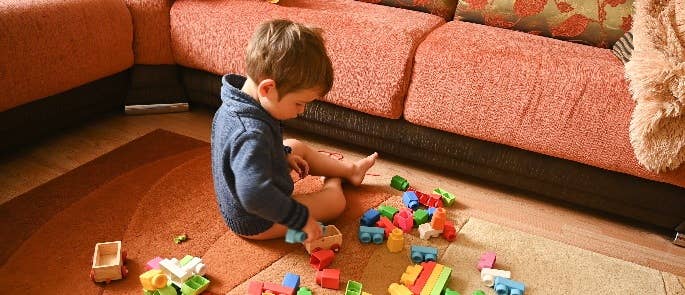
(23, 170)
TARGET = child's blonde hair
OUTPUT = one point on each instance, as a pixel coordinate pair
(291, 54)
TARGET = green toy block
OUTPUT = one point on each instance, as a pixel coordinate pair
(304, 291)
(447, 197)
(442, 281)
(478, 292)
(181, 238)
(194, 285)
(420, 217)
(185, 260)
(168, 290)
(399, 183)
(388, 211)
(449, 291)
(353, 288)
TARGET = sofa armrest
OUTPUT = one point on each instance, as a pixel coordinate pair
(151, 31)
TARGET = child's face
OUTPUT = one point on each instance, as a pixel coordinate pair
(290, 105)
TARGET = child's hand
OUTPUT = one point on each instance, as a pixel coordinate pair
(312, 229)
(298, 164)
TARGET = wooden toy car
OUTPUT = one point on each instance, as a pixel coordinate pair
(108, 262)
(332, 239)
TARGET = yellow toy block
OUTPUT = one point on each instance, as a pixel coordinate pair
(153, 279)
(397, 289)
(396, 241)
(364, 293)
(411, 274)
(428, 288)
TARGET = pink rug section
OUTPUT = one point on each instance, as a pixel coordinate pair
(371, 46)
(569, 101)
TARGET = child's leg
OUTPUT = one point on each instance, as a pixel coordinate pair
(324, 205)
(323, 165)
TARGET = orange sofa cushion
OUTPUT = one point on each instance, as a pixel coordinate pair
(544, 95)
(151, 32)
(50, 46)
(371, 46)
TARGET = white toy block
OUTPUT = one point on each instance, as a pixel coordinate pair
(195, 266)
(487, 275)
(172, 268)
(426, 231)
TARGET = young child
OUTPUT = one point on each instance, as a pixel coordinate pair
(287, 67)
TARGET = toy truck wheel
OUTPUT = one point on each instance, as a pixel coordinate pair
(124, 271)
(335, 248)
(123, 256)
(92, 275)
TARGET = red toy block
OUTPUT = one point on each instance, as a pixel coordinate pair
(428, 200)
(423, 277)
(321, 259)
(435, 201)
(328, 278)
(449, 232)
(487, 260)
(404, 220)
(278, 289)
(255, 288)
(439, 218)
(386, 224)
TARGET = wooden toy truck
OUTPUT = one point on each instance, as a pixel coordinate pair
(108, 262)
(332, 239)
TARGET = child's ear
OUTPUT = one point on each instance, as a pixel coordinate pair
(267, 88)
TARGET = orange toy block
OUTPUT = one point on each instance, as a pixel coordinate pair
(411, 274)
(439, 218)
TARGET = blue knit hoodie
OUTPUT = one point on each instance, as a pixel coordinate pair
(251, 175)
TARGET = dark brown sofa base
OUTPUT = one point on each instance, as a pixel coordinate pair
(631, 197)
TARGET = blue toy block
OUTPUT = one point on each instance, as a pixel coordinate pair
(420, 254)
(431, 211)
(369, 234)
(370, 217)
(504, 286)
(291, 280)
(410, 200)
(295, 236)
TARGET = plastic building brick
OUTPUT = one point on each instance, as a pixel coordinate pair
(291, 280)
(423, 277)
(399, 183)
(478, 292)
(487, 275)
(153, 279)
(180, 238)
(386, 224)
(371, 234)
(449, 291)
(278, 289)
(332, 239)
(195, 285)
(426, 231)
(431, 211)
(353, 288)
(370, 217)
(166, 290)
(328, 278)
(411, 274)
(447, 198)
(388, 211)
(395, 241)
(421, 254)
(449, 232)
(321, 259)
(178, 273)
(487, 260)
(293, 236)
(108, 262)
(441, 282)
(153, 263)
(420, 217)
(504, 286)
(439, 218)
(304, 291)
(432, 279)
(404, 220)
(410, 200)
(397, 289)
(185, 260)
(435, 201)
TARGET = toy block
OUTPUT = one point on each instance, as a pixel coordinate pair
(395, 241)
(423, 277)
(449, 291)
(432, 279)
(328, 278)
(420, 217)
(304, 291)
(370, 217)
(386, 224)
(179, 274)
(194, 286)
(364, 293)
(399, 183)
(293, 236)
(332, 239)
(195, 266)
(420, 254)
(180, 238)
(278, 289)
(411, 274)
(447, 198)
(292, 280)
(426, 231)
(166, 290)
(255, 288)
(435, 201)
(397, 289)
(487, 275)
(371, 234)
(504, 286)
(388, 211)
(404, 220)
(321, 259)
(449, 232)
(478, 292)
(185, 260)
(431, 211)
(410, 200)
(438, 220)
(153, 279)
(353, 288)
(153, 263)
(487, 260)
(440, 284)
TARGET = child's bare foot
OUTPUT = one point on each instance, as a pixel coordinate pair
(360, 167)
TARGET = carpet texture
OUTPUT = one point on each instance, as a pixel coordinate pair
(159, 186)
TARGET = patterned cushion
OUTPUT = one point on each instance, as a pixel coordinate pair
(623, 48)
(441, 8)
(586, 22)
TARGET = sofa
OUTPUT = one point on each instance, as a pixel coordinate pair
(529, 112)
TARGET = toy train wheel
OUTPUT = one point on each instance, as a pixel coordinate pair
(124, 271)
(335, 248)
(123, 256)
(92, 275)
